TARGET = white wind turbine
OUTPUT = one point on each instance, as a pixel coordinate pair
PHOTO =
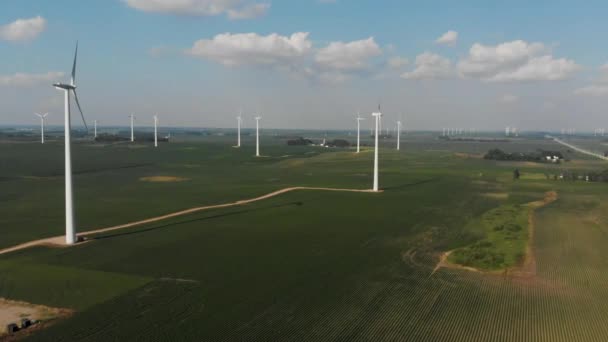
(70, 231)
(359, 118)
(398, 135)
(132, 116)
(257, 135)
(42, 117)
(95, 128)
(239, 121)
(155, 130)
(377, 115)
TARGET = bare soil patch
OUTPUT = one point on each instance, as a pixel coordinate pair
(13, 311)
(468, 155)
(496, 195)
(163, 179)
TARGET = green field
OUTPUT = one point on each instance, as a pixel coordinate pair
(306, 265)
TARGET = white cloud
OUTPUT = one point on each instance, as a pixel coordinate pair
(349, 56)
(28, 80)
(234, 9)
(515, 61)
(397, 62)
(430, 66)
(293, 55)
(509, 98)
(252, 49)
(249, 12)
(449, 38)
(593, 90)
(599, 86)
(23, 29)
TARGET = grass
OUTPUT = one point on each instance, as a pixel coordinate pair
(503, 239)
(307, 265)
(62, 286)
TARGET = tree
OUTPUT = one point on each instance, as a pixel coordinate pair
(516, 174)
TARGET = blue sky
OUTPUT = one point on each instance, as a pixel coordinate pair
(536, 65)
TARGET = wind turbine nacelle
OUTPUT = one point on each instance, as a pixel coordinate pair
(64, 86)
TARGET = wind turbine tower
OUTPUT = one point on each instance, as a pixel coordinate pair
(377, 115)
(42, 117)
(155, 130)
(257, 135)
(132, 116)
(358, 133)
(70, 231)
(239, 120)
(95, 128)
(398, 135)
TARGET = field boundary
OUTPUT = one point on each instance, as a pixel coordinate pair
(528, 266)
(58, 241)
(580, 150)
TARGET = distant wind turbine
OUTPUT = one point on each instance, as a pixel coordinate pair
(359, 118)
(42, 117)
(377, 115)
(257, 135)
(155, 130)
(398, 135)
(239, 120)
(70, 231)
(95, 128)
(132, 116)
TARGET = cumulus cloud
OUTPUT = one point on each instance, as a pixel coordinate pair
(248, 12)
(23, 29)
(397, 62)
(509, 98)
(252, 49)
(29, 80)
(449, 38)
(234, 9)
(430, 66)
(293, 55)
(350, 56)
(516, 61)
(599, 86)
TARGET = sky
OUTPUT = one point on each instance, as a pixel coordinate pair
(309, 63)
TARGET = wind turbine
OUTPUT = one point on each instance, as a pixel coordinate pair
(95, 128)
(377, 115)
(239, 120)
(70, 231)
(132, 116)
(155, 130)
(359, 118)
(257, 135)
(41, 116)
(398, 135)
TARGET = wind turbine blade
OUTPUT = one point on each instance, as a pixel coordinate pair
(80, 110)
(74, 66)
(38, 115)
(44, 115)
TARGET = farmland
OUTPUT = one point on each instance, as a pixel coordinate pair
(306, 265)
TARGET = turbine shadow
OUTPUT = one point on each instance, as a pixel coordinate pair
(166, 225)
(407, 185)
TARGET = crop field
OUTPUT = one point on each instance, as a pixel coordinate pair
(306, 265)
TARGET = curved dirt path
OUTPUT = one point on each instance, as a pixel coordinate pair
(528, 267)
(58, 241)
